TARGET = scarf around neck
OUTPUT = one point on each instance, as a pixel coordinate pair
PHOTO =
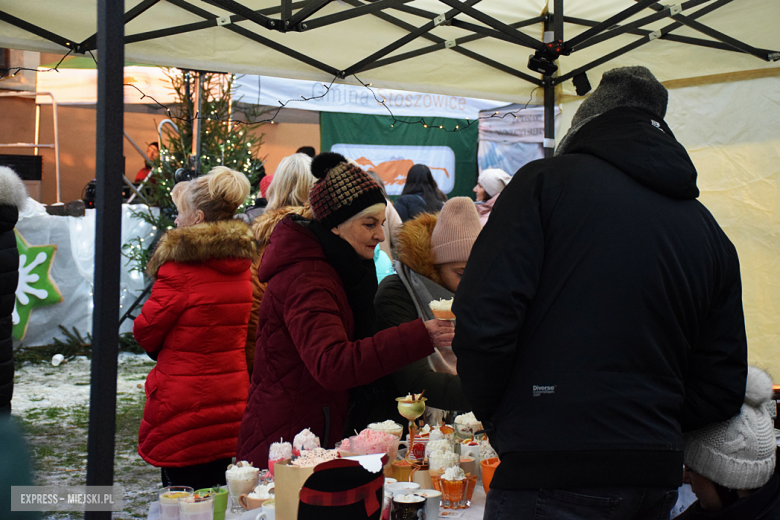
(357, 275)
(422, 291)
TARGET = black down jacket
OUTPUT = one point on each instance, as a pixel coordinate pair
(12, 196)
(600, 313)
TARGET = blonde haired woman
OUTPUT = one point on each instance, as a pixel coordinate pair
(291, 183)
(288, 194)
(194, 325)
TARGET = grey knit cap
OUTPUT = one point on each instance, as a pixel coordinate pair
(621, 87)
(738, 453)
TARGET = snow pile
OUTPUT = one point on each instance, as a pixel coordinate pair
(67, 385)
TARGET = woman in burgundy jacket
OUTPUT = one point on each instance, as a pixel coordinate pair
(316, 336)
(194, 324)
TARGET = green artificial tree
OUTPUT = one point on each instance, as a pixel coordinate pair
(225, 141)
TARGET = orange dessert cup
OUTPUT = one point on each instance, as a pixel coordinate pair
(453, 493)
(443, 315)
(488, 468)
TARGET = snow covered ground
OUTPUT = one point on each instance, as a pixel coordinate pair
(67, 385)
(53, 405)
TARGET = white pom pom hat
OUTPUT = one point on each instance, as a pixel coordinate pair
(738, 453)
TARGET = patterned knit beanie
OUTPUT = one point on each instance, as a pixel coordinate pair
(621, 87)
(342, 191)
(456, 230)
(738, 453)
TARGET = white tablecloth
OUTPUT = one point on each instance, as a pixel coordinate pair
(472, 513)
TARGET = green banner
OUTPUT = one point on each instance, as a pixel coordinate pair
(392, 150)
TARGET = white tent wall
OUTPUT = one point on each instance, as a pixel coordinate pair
(732, 133)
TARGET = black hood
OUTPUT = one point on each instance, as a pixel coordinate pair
(643, 147)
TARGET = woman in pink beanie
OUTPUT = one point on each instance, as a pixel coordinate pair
(432, 253)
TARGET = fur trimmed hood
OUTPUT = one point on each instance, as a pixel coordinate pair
(414, 246)
(12, 189)
(203, 242)
(264, 225)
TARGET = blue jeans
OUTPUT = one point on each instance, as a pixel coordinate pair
(580, 504)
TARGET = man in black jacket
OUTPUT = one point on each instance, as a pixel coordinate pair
(600, 316)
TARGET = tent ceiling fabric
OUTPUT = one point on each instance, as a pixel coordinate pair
(341, 45)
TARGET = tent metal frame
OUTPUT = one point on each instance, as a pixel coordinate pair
(301, 16)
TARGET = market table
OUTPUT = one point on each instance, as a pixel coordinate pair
(472, 513)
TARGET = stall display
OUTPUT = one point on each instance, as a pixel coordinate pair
(310, 478)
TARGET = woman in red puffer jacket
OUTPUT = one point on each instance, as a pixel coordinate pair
(194, 324)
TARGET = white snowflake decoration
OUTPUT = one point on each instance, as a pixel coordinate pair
(26, 279)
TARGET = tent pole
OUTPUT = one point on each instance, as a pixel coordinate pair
(108, 232)
(549, 119)
(196, 119)
(554, 24)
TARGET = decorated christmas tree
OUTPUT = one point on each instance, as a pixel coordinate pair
(226, 140)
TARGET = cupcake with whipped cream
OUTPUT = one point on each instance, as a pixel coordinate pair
(278, 451)
(304, 441)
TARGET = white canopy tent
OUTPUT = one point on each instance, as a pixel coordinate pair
(487, 57)
(719, 54)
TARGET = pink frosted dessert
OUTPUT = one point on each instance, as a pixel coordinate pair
(278, 451)
(371, 441)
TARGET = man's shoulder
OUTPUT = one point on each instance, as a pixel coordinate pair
(554, 171)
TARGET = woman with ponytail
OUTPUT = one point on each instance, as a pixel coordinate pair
(194, 325)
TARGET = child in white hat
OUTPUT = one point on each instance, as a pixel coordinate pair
(731, 465)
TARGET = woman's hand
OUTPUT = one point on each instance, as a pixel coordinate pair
(441, 332)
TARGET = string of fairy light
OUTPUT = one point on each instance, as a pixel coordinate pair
(283, 104)
(165, 156)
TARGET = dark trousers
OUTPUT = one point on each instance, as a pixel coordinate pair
(198, 476)
(580, 504)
